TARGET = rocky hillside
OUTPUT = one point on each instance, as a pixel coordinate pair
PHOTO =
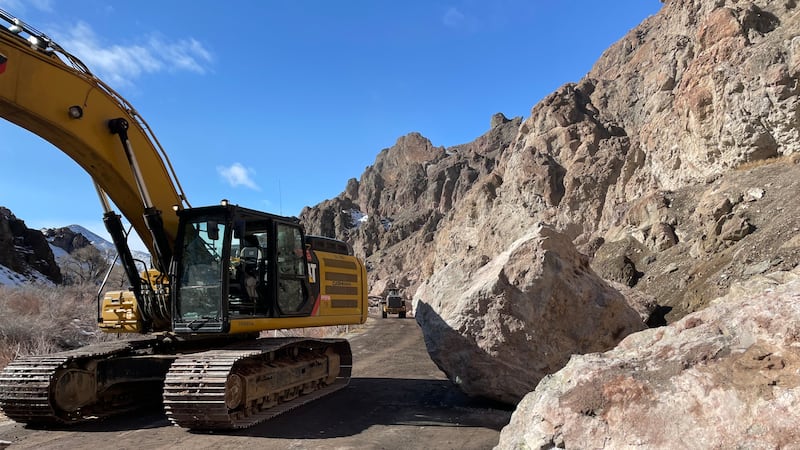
(25, 253)
(672, 168)
(394, 212)
(655, 148)
(66, 239)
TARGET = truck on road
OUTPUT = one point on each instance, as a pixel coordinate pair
(394, 303)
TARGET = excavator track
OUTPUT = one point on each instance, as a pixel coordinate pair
(247, 383)
(53, 389)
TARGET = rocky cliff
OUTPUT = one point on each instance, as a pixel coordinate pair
(26, 251)
(672, 167)
(393, 213)
(66, 239)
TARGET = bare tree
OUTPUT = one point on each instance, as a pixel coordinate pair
(118, 279)
(87, 266)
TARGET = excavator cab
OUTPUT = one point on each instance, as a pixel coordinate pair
(232, 264)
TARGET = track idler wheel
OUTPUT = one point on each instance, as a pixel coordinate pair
(234, 391)
(74, 389)
(334, 364)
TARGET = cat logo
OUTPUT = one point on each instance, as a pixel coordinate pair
(3, 60)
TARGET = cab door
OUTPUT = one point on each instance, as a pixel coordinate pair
(292, 291)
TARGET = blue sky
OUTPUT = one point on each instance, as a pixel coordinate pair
(275, 105)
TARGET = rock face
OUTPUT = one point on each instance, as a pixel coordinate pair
(640, 156)
(392, 213)
(496, 332)
(24, 250)
(725, 377)
(66, 239)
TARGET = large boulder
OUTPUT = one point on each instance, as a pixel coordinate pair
(724, 377)
(497, 330)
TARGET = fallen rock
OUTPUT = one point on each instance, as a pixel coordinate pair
(724, 377)
(496, 331)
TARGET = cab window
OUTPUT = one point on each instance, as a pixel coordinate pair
(292, 289)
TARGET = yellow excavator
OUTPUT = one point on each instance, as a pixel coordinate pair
(219, 276)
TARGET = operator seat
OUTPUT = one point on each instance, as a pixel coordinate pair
(247, 276)
(250, 257)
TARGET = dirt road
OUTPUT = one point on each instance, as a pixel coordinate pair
(396, 399)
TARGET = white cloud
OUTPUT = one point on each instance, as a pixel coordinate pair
(453, 18)
(238, 175)
(185, 54)
(119, 65)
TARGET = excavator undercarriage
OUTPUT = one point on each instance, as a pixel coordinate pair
(234, 386)
(244, 384)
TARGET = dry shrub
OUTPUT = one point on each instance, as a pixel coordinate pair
(39, 320)
(20, 303)
(790, 159)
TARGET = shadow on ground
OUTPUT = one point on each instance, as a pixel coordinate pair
(364, 403)
(367, 402)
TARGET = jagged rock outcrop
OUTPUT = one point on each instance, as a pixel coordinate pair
(24, 250)
(392, 213)
(725, 377)
(497, 331)
(66, 239)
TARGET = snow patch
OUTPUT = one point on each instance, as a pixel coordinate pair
(356, 217)
(10, 278)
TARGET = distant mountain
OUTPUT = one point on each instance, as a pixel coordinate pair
(105, 247)
(101, 244)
